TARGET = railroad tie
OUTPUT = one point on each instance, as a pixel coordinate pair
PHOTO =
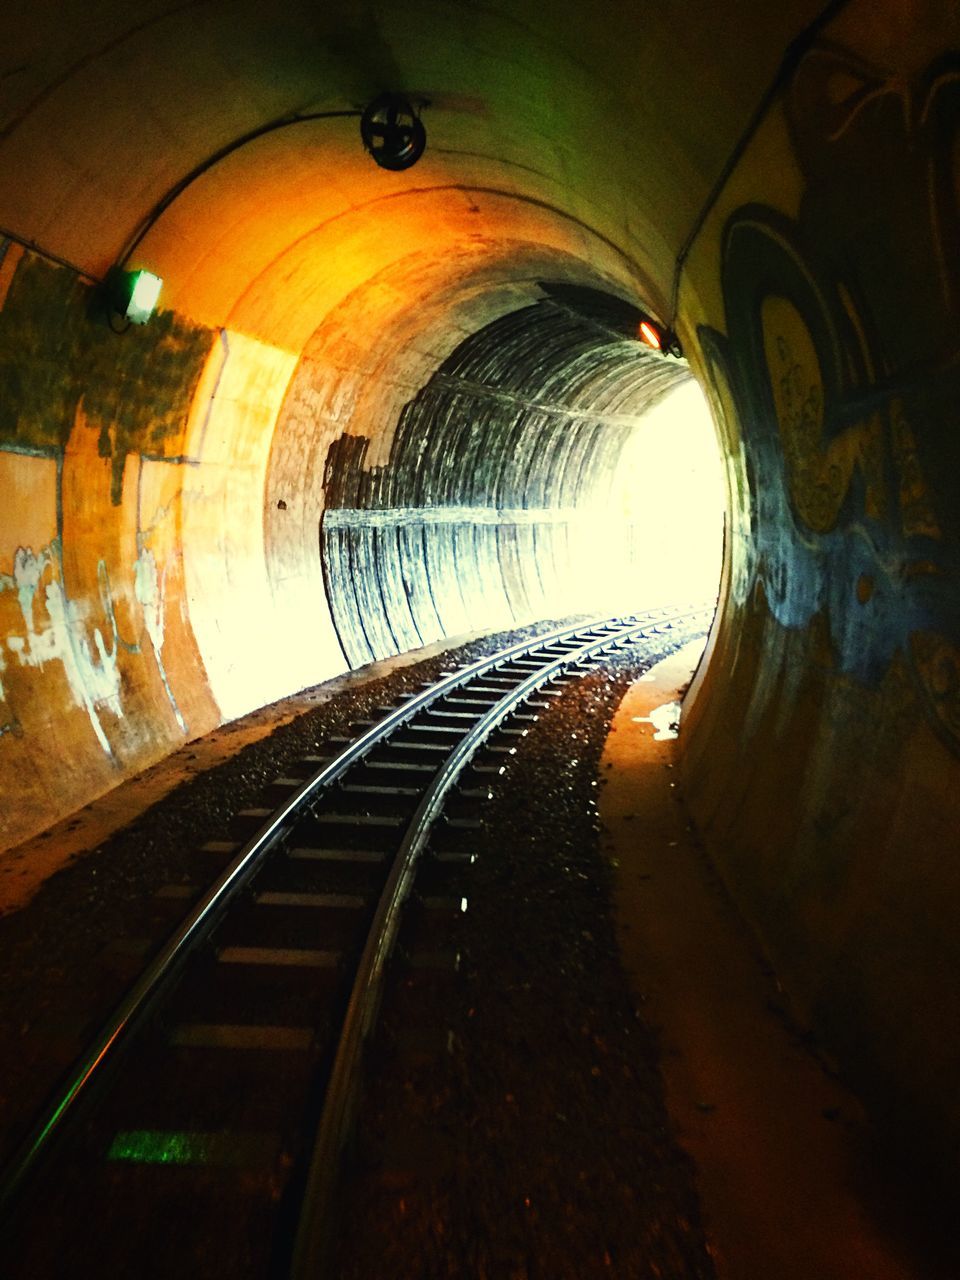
(338, 901)
(295, 957)
(224, 1035)
(220, 846)
(179, 1148)
(304, 853)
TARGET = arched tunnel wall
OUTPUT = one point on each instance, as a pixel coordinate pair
(329, 329)
(146, 597)
(822, 742)
(496, 470)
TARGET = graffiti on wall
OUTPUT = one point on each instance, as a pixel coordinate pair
(90, 425)
(93, 678)
(841, 352)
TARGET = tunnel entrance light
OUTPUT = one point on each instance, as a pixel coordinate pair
(132, 295)
(657, 338)
(667, 498)
(650, 334)
(392, 131)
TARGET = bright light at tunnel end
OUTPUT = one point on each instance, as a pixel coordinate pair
(658, 537)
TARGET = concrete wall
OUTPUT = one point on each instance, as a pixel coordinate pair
(97, 659)
(167, 566)
(822, 758)
(499, 470)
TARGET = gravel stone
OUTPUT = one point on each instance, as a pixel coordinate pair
(515, 1127)
(534, 1143)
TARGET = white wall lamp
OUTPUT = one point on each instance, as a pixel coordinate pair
(130, 296)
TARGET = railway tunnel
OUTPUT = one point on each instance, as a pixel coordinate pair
(378, 407)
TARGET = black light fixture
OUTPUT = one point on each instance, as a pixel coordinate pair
(393, 132)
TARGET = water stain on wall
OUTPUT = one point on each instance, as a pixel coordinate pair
(57, 355)
(91, 438)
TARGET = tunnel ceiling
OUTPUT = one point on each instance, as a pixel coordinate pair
(598, 137)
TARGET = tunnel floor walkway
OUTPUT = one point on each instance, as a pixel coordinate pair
(789, 1185)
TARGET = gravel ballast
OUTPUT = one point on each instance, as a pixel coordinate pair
(515, 1127)
(534, 1142)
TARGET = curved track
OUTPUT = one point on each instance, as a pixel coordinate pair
(246, 1034)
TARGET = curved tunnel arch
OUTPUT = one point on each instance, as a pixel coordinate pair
(147, 568)
(488, 465)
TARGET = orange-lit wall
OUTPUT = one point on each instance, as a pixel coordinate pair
(163, 564)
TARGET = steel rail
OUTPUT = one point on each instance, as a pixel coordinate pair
(157, 977)
(312, 1244)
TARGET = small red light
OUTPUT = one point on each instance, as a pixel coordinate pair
(650, 335)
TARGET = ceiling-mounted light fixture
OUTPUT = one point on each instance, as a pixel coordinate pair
(131, 295)
(657, 338)
(650, 334)
(393, 132)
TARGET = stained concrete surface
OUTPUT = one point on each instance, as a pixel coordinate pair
(24, 868)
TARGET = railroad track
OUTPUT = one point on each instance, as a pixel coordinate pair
(202, 1133)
